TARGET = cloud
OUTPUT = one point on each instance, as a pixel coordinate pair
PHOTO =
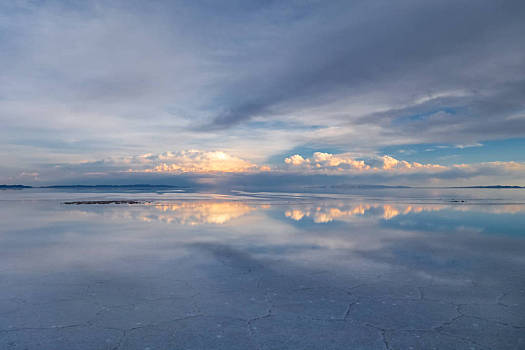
(392, 163)
(476, 144)
(322, 161)
(197, 168)
(354, 75)
(327, 162)
(194, 161)
(295, 160)
(451, 57)
(256, 80)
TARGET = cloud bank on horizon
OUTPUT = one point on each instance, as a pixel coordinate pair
(404, 92)
(217, 168)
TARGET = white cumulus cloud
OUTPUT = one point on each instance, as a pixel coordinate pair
(327, 162)
(195, 161)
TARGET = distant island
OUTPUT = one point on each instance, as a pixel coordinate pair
(134, 186)
(152, 187)
(494, 186)
(14, 187)
(363, 186)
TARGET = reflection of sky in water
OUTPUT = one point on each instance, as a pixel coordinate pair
(498, 219)
(203, 249)
(213, 211)
(265, 225)
(194, 213)
(327, 213)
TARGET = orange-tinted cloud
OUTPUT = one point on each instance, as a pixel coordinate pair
(194, 161)
(202, 212)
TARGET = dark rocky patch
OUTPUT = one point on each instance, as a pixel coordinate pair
(105, 202)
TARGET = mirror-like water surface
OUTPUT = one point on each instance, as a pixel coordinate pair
(377, 270)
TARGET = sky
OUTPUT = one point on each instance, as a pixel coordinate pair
(262, 93)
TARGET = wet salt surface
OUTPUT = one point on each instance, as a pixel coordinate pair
(373, 270)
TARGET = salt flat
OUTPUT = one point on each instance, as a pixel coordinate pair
(373, 270)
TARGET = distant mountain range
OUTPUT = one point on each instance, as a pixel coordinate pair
(352, 186)
(13, 187)
(151, 187)
(494, 186)
(135, 186)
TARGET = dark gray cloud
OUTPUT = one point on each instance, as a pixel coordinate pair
(458, 119)
(88, 80)
(401, 50)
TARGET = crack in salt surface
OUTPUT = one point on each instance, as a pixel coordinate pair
(18, 329)
(385, 340)
(127, 331)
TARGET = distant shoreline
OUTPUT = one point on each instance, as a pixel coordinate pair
(341, 186)
(90, 186)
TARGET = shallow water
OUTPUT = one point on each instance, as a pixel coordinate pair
(385, 269)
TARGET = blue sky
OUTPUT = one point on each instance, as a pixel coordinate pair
(404, 92)
(512, 149)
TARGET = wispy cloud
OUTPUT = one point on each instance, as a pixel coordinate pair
(106, 80)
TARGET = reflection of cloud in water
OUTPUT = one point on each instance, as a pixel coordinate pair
(195, 213)
(494, 209)
(110, 232)
(324, 214)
